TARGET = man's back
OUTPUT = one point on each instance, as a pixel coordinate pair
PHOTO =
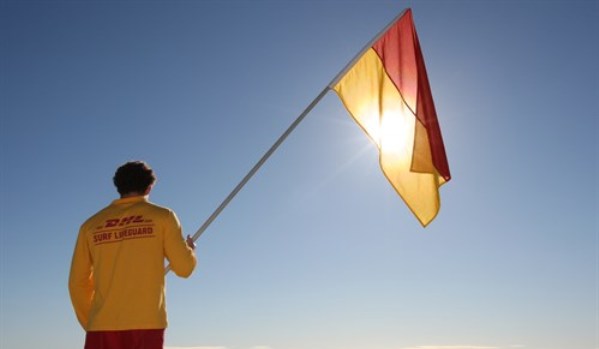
(117, 274)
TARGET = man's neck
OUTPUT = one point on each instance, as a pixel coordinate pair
(130, 195)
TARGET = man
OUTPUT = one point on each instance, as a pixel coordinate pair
(117, 272)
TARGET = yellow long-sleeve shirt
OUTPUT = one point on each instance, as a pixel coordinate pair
(117, 272)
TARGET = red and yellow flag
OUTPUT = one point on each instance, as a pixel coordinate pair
(387, 92)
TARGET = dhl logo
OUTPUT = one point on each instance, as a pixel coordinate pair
(119, 222)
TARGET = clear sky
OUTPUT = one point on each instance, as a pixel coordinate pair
(317, 251)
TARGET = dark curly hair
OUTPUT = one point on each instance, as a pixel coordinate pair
(133, 177)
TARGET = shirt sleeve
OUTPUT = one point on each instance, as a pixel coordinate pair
(81, 282)
(181, 257)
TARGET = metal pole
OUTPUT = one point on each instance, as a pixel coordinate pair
(258, 165)
(285, 134)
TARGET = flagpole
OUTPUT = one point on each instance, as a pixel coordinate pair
(287, 132)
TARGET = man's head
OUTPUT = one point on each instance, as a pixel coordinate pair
(134, 178)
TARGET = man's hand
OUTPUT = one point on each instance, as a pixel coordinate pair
(190, 243)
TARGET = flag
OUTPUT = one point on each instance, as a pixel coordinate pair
(388, 94)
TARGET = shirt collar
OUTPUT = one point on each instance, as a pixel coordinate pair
(130, 200)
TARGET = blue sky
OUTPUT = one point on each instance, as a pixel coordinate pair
(317, 251)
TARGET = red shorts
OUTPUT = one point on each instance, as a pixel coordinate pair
(130, 339)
